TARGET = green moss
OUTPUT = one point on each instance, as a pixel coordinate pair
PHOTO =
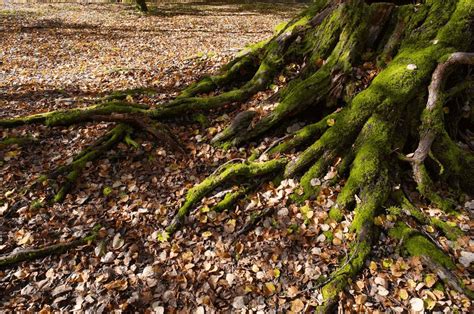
(451, 232)
(74, 170)
(426, 187)
(230, 199)
(20, 141)
(280, 27)
(201, 119)
(36, 204)
(231, 172)
(293, 228)
(454, 32)
(336, 214)
(329, 236)
(107, 190)
(129, 141)
(417, 245)
(458, 163)
(68, 117)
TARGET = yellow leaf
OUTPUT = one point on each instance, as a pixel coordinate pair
(207, 234)
(430, 303)
(276, 272)
(379, 221)
(12, 153)
(269, 288)
(403, 294)
(129, 98)
(361, 299)
(292, 291)
(239, 247)
(163, 236)
(430, 280)
(330, 122)
(120, 284)
(373, 266)
(387, 262)
(297, 306)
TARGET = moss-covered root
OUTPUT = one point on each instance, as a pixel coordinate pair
(158, 131)
(363, 226)
(73, 170)
(274, 57)
(20, 141)
(415, 244)
(305, 135)
(458, 163)
(73, 116)
(31, 254)
(408, 209)
(370, 174)
(239, 69)
(230, 199)
(247, 170)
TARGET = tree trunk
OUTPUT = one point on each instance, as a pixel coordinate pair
(373, 79)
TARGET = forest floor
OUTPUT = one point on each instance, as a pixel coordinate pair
(56, 56)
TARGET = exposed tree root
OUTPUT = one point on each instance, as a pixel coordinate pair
(242, 170)
(20, 141)
(417, 245)
(408, 209)
(73, 170)
(432, 126)
(31, 254)
(157, 130)
(356, 124)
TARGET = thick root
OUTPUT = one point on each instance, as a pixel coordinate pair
(158, 131)
(363, 225)
(241, 170)
(415, 244)
(241, 68)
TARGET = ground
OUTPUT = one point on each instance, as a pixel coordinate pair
(68, 55)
